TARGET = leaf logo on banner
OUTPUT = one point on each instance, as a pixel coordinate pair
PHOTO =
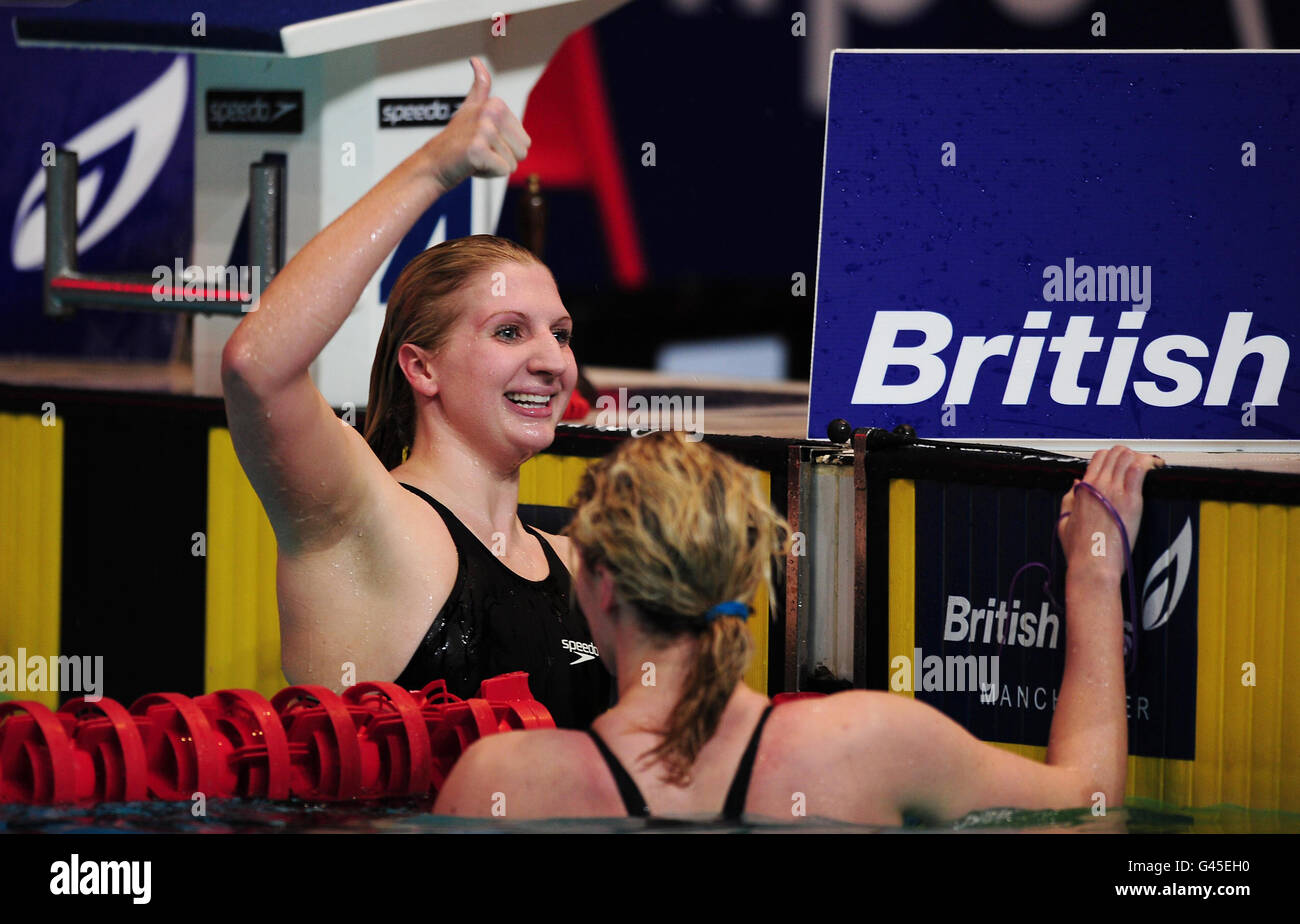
(149, 122)
(1173, 566)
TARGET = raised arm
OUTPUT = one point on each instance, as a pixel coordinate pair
(314, 476)
(1087, 751)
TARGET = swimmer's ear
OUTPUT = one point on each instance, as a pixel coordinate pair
(419, 372)
(606, 590)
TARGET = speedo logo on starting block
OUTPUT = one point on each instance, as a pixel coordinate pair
(1174, 381)
(418, 112)
(270, 111)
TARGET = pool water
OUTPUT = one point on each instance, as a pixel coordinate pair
(255, 816)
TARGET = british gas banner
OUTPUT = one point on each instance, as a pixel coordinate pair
(1063, 245)
(990, 652)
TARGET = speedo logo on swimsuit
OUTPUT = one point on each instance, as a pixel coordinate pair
(585, 651)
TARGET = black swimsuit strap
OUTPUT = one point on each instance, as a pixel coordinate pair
(437, 505)
(459, 529)
(734, 807)
(633, 801)
(552, 556)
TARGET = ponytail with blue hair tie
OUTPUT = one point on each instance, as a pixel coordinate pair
(730, 608)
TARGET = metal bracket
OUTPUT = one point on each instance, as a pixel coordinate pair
(65, 289)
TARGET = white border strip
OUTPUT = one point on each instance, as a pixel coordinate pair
(821, 218)
(1067, 445)
(342, 30)
(396, 20)
(1062, 51)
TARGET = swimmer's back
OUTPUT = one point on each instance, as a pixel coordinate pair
(864, 757)
(563, 774)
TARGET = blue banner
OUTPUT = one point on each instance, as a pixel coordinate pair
(1078, 246)
(128, 118)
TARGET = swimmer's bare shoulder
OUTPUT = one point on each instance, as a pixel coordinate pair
(362, 564)
(552, 773)
(828, 758)
(369, 599)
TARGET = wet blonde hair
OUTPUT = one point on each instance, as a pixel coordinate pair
(422, 310)
(682, 527)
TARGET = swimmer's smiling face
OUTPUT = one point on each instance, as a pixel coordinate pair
(505, 375)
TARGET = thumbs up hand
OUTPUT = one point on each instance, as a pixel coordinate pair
(484, 138)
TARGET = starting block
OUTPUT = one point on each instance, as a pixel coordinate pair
(338, 93)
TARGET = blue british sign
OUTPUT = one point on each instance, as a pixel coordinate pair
(1061, 245)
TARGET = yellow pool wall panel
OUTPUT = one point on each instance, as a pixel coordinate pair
(31, 541)
(1248, 677)
(242, 632)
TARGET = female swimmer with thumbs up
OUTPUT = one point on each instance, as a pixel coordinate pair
(416, 568)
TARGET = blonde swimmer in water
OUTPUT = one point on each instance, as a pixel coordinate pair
(670, 537)
(417, 568)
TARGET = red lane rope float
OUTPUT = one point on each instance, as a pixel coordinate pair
(397, 729)
(37, 760)
(527, 714)
(258, 765)
(376, 740)
(513, 702)
(322, 733)
(446, 741)
(110, 736)
(435, 692)
(511, 686)
(185, 754)
(484, 718)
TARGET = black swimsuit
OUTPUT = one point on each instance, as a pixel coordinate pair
(495, 621)
(732, 809)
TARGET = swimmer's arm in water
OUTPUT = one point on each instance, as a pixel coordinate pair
(316, 478)
(952, 772)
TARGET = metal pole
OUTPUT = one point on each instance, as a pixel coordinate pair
(60, 228)
(266, 220)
